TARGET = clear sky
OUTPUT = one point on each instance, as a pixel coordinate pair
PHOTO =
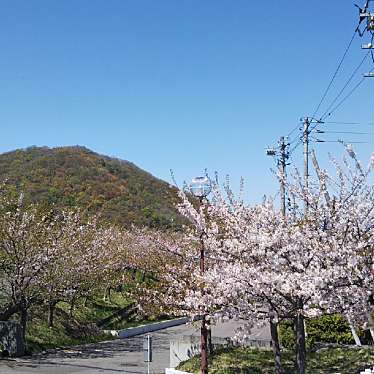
(178, 84)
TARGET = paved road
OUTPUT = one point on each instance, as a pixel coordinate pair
(117, 356)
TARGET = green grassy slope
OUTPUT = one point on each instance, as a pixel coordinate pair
(86, 325)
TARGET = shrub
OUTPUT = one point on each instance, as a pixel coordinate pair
(325, 329)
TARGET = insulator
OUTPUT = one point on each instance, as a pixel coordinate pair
(370, 26)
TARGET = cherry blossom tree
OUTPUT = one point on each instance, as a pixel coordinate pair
(26, 239)
(314, 262)
(88, 255)
(47, 256)
(265, 267)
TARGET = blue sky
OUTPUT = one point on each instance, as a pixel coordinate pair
(182, 85)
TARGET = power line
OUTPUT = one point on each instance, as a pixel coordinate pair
(346, 84)
(331, 82)
(331, 108)
(335, 73)
(341, 123)
(293, 130)
(346, 97)
(336, 141)
(296, 146)
(295, 139)
(348, 123)
(342, 132)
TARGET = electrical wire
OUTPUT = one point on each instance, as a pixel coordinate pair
(295, 139)
(336, 141)
(342, 132)
(335, 73)
(295, 147)
(346, 97)
(346, 84)
(347, 123)
(341, 123)
(328, 113)
(293, 130)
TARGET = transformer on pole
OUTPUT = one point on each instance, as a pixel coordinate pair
(282, 155)
(366, 15)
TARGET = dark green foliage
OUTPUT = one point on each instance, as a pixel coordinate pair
(331, 328)
(75, 176)
(287, 334)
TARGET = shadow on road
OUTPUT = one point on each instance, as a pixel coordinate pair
(104, 349)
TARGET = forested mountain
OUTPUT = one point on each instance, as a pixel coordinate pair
(76, 176)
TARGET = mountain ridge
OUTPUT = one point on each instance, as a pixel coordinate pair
(75, 176)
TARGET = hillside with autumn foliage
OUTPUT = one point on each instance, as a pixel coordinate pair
(78, 177)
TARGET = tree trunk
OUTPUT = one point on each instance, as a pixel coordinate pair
(72, 305)
(354, 333)
(210, 344)
(371, 329)
(371, 325)
(300, 344)
(275, 345)
(8, 311)
(143, 277)
(204, 348)
(23, 322)
(51, 313)
(107, 294)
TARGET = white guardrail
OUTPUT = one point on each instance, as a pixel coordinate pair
(145, 329)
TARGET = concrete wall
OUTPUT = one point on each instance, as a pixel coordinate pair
(11, 342)
(173, 371)
(183, 348)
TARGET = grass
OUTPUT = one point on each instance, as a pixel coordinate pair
(254, 361)
(85, 326)
(40, 336)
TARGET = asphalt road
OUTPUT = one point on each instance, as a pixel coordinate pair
(116, 356)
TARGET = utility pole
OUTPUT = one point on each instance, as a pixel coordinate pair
(319, 175)
(201, 187)
(204, 334)
(282, 162)
(366, 15)
(282, 157)
(306, 132)
(370, 45)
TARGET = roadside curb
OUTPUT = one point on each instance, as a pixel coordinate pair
(144, 329)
